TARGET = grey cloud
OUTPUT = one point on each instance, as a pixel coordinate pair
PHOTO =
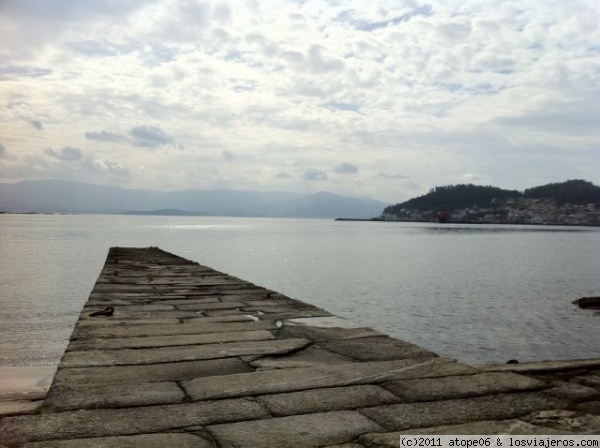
(392, 176)
(37, 124)
(334, 105)
(160, 54)
(315, 175)
(498, 64)
(321, 63)
(282, 175)
(66, 10)
(294, 57)
(222, 13)
(188, 19)
(16, 71)
(3, 151)
(150, 137)
(104, 136)
(349, 17)
(229, 155)
(454, 32)
(94, 48)
(346, 168)
(68, 153)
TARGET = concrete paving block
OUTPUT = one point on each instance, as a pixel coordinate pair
(590, 380)
(128, 308)
(438, 413)
(463, 386)
(226, 318)
(19, 407)
(377, 349)
(179, 440)
(226, 312)
(62, 398)
(312, 430)
(566, 421)
(296, 379)
(176, 371)
(502, 427)
(118, 322)
(590, 407)
(327, 399)
(128, 421)
(124, 331)
(93, 358)
(185, 301)
(210, 306)
(346, 445)
(575, 392)
(164, 341)
(312, 356)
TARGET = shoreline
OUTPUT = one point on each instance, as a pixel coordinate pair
(547, 224)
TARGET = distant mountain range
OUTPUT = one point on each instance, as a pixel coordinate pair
(57, 196)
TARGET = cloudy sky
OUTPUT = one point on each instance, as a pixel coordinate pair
(370, 98)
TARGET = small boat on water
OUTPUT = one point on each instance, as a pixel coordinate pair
(442, 216)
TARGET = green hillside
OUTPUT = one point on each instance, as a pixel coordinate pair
(455, 197)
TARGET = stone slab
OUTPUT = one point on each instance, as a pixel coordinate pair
(90, 358)
(226, 312)
(312, 430)
(63, 398)
(178, 440)
(438, 413)
(503, 427)
(463, 386)
(296, 379)
(131, 315)
(164, 341)
(176, 371)
(328, 399)
(309, 357)
(128, 421)
(575, 392)
(184, 301)
(226, 318)
(124, 331)
(377, 349)
(127, 308)
(18, 407)
(117, 322)
(566, 421)
(210, 306)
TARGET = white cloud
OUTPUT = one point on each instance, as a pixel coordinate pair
(431, 92)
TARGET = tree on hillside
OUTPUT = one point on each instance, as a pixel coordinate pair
(454, 197)
(575, 191)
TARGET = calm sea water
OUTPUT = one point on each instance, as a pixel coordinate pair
(480, 294)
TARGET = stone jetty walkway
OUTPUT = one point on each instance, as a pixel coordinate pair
(192, 357)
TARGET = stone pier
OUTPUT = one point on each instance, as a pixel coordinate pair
(192, 357)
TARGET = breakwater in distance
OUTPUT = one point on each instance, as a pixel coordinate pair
(168, 352)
